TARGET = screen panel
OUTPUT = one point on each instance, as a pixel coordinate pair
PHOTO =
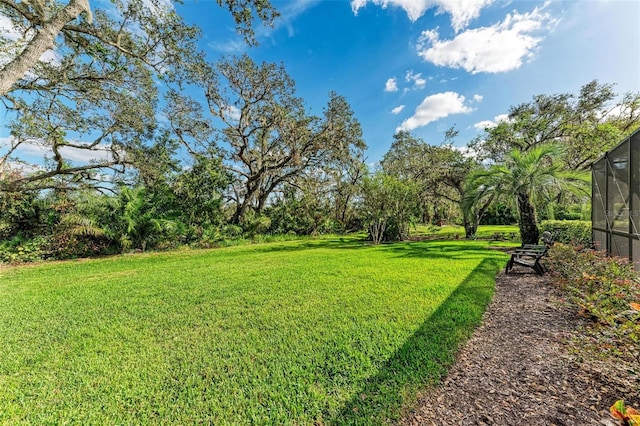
(635, 184)
(619, 246)
(600, 240)
(618, 189)
(599, 188)
(616, 200)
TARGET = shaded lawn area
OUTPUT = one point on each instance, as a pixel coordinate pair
(326, 331)
(484, 232)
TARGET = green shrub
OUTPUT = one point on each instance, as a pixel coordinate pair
(65, 246)
(22, 250)
(253, 224)
(577, 232)
(498, 236)
(605, 289)
(231, 232)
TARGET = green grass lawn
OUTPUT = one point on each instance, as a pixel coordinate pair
(326, 331)
(485, 232)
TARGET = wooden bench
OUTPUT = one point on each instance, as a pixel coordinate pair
(529, 255)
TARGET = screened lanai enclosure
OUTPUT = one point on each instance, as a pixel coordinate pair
(616, 200)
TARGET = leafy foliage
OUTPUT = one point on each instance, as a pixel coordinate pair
(19, 211)
(438, 172)
(576, 232)
(583, 125)
(628, 415)
(605, 289)
(499, 214)
(388, 204)
(20, 250)
(526, 180)
(268, 138)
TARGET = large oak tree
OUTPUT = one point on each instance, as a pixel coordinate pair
(268, 137)
(40, 25)
(90, 105)
(586, 124)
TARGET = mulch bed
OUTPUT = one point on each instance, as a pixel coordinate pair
(519, 369)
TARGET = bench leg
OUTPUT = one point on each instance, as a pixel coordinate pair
(538, 268)
(509, 266)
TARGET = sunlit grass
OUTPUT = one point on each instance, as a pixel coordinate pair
(485, 232)
(325, 331)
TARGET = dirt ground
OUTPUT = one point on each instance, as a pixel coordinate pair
(519, 369)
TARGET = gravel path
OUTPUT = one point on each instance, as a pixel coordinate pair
(517, 368)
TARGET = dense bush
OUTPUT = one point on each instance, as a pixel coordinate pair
(68, 246)
(20, 250)
(554, 211)
(19, 212)
(499, 214)
(577, 232)
(606, 290)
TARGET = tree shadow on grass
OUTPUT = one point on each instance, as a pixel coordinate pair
(448, 250)
(420, 249)
(424, 358)
(333, 243)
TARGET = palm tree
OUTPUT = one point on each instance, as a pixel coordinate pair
(138, 221)
(527, 179)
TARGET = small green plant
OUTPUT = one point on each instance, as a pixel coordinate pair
(628, 415)
(21, 250)
(606, 290)
(577, 232)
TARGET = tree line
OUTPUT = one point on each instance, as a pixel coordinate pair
(242, 155)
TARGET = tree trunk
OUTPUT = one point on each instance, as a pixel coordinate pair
(238, 215)
(470, 227)
(377, 229)
(529, 232)
(241, 207)
(471, 215)
(42, 42)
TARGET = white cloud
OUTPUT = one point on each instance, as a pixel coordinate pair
(232, 112)
(418, 81)
(391, 85)
(26, 148)
(397, 110)
(229, 46)
(13, 41)
(484, 124)
(414, 8)
(461, 11)
(159, 7)
(35, 151)
(52, 58)
(488, 124)
(100, 154)
(477, 98)
(466, 151)
(435, 107)
(8, 31)
(499, 48)
(289, 10)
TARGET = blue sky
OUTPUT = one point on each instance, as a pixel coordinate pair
(427, 65)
